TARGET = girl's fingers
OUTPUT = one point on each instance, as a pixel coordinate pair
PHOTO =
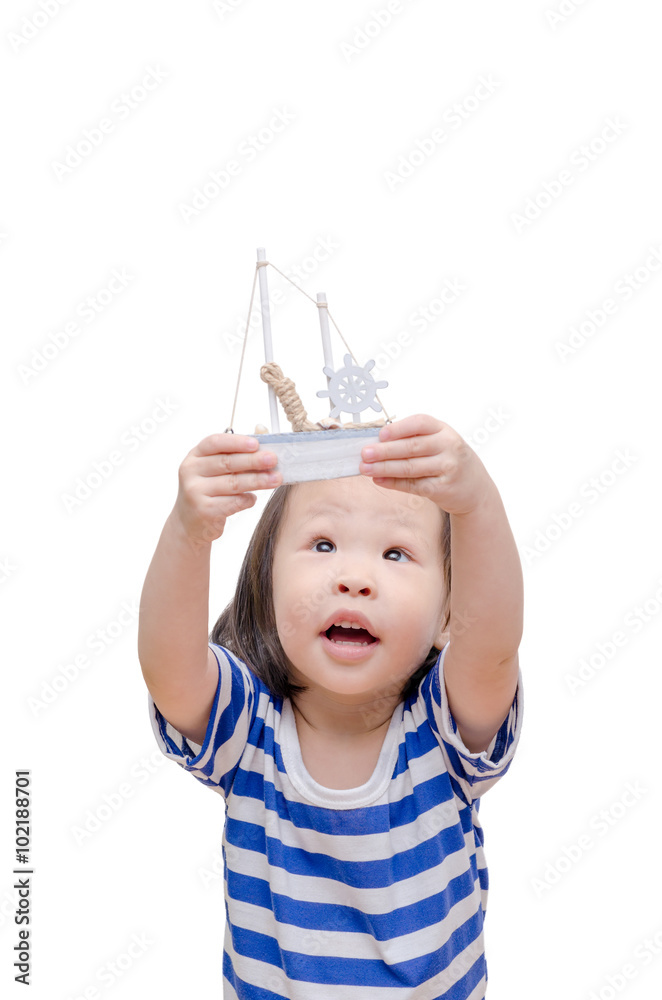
(241, 482)
(410, 447)
(230, 464)
(412, 468)
(218, 444)
(424, 487)
(419, 423)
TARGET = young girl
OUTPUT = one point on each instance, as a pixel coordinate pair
(350, 709)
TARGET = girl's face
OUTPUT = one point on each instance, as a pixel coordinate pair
(348, 547)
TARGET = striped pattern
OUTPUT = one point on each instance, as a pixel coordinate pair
(371, 893)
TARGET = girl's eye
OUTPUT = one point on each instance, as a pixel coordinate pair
(399, 551)
(322, 541)
(330, 547)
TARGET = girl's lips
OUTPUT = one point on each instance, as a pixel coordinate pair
(349, 651)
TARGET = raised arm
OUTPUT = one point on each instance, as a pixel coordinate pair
(176, 662)
(179, 669)
(482, 663)
(421, 455)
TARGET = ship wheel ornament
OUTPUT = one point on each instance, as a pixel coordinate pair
(352, 388)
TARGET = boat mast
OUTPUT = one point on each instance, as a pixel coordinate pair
(326, 339)
(266, 334)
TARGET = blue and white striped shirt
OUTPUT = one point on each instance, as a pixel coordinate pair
(376, 892)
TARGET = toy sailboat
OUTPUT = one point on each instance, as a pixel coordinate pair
(327, 449)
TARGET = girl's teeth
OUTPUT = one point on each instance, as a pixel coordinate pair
(348, 642)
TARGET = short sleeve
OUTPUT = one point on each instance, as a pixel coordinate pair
(474, 773)
(216, 761)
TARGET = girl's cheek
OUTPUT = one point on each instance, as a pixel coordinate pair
(286, 630)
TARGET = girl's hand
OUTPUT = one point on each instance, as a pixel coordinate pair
(421, 455)
(214, 478)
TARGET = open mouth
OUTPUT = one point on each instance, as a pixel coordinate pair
(343, 636)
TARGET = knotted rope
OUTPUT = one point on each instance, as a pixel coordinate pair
(290, 400)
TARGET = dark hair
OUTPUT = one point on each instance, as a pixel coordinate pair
(247, 626)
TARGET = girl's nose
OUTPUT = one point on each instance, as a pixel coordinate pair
(354, 585)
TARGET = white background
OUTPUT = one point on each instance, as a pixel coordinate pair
(319, 198)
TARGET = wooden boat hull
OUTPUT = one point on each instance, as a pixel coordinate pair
(308, 455)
